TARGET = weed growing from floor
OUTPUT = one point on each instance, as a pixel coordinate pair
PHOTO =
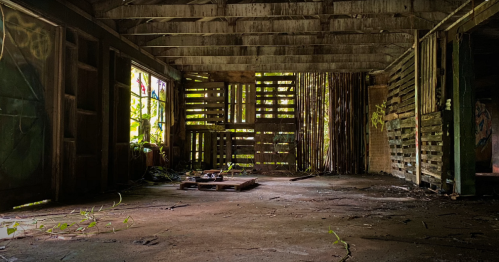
(339, 240)
(84, 222)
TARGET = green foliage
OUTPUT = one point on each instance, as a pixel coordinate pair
(378, 116)
(11, 231)
(339, 240)
(92, 217)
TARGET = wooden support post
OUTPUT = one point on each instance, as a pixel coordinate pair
(417, 60)
(464, 124)
(105, 111)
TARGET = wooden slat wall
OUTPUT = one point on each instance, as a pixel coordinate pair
(275, 126)
(241, 103)
(209, 149)
(347, 109)
(312, 106)
(225, 107)
(243, 148)
(429, 75)
(400, 117)
(435, 147)
(211, 104)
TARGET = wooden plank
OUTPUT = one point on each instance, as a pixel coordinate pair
(275, 78)
(212, 119)
(203, 106)
(431, 129)
(432, 116)
(432, 138)
(274, 147)
(433, 122)
(433, 158)
(205, 85)
(205, 92)
(204, 99)
(276, 120)
(209, 112)
(431, 167)
(395, 142)
(229, 147)
(431, 148)
(243, 142)
(260, 106)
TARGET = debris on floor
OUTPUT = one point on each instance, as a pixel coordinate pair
(160, 174)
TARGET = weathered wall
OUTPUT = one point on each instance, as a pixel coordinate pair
(379, 150)
(26, 90)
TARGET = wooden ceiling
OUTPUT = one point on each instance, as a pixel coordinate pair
(256, 35)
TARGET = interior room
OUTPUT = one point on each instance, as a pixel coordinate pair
(249, 130)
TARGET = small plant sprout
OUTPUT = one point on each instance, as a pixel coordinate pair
(339, 240)
(86, 220)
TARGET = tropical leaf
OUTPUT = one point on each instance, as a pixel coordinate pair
(92, 224)
(64, 226)
(11, 231)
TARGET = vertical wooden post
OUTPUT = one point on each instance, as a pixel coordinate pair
(58, 115)
(417, 59)
(464, 119)
(105, 111)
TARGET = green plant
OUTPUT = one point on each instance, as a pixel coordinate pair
(137, 145)
(85, 220)
(339, 240)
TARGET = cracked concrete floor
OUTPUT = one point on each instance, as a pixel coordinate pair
(278, 221)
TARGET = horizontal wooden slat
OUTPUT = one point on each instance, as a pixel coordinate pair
(276, 78)
(395, 142)
(432, 138)
(211, 112)
(275, 128)
(430, 129)
(205, 85)
(431, 148)
(433, 158)
(209, 92)
(204, 99)
(276, 120)
(214, 119)
(202, 106)
(272, 106)
(289, 158)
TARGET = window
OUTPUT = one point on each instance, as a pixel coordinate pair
(148, 106)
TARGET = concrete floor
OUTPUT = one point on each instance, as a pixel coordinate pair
(277, 221)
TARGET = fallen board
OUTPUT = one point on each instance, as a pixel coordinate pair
(238, 185)
(187, 184)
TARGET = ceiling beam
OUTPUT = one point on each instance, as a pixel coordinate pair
(279, 40)
(259, 60)
(280, 9)
(277, 50)
(373, 25)
(288, 67)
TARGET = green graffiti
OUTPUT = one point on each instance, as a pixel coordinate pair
(378, 116)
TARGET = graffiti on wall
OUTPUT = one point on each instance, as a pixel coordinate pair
(483, 121)
(378, 116)
(29, 35)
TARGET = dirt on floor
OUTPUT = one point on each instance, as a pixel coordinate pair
(381, 218)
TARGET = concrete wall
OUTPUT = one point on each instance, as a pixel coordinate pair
(379, 150)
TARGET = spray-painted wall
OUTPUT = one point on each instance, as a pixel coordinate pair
(27, 74)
